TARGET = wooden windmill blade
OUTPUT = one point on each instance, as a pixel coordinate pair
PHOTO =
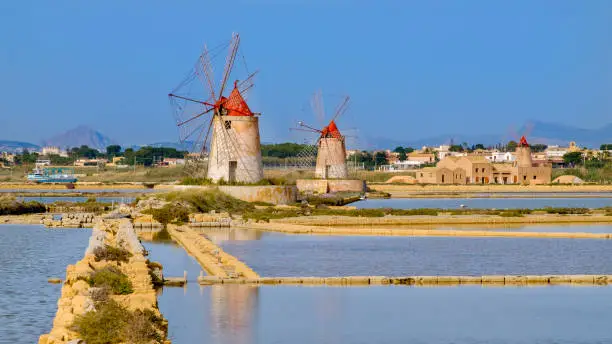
(229, 62)
(318, 107)
(206, 75)
(245, 85)
(341, 109)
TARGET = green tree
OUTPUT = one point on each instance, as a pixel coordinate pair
(538, 147)
(573, 158)
(478, 146)
(362, 157)
(282, 150)
(113, 151)
(511, 146)
(380, 158)
(456, 148)
(606, 146)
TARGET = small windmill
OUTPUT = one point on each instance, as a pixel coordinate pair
(228, 122)
(330, 145)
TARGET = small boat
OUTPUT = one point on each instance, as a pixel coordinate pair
(362, 197)
(462, 206)
(52, 176)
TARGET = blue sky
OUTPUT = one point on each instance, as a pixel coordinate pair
(412, 69)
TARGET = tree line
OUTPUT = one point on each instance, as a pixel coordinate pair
(144, 155)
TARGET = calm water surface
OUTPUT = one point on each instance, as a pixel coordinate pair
(284, 314)
(50, 199)
(174, 259)
(509, 227)
(462, 315)
(29, 255)
(484, 203)
(274, 254)
(78, 190)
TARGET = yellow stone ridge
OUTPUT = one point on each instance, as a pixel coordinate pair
(293, 228)
(420, 281)
(211, 257)
(75, 298)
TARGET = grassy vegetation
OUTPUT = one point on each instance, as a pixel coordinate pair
(601, 175)
(267, 214)
(111, 253)
(112, 323)
(9, 205)
(170, 213)
(378, 176)
(205, 201)
(111, 278)
(89, 206)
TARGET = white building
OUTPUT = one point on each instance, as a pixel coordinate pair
(53, 150)
(497, 156)
(556, 152)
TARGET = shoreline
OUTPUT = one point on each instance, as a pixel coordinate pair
(77, 186)
(452, 191)
(334, 220)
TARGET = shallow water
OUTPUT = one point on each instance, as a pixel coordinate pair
(485, 203)
(275, 254)
(51, 199)
(29, 255)
(462, 315)
(174, 259)
(509, 227)
(26, 190)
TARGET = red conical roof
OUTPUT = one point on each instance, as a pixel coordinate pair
(523, 142)
(331, 131)
(236, 105)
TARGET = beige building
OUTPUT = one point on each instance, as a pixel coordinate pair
(476, 169)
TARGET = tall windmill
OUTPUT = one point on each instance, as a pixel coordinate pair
(223, 130)
(330, 144)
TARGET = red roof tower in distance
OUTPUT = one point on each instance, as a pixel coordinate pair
(330, 145)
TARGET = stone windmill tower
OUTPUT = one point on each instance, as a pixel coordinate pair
(234, 151)
(331, 144)
(523, 154)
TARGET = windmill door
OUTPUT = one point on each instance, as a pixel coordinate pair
(327, 168)
(233, 166)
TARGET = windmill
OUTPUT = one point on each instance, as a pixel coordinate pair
(330, 145)
(223, 130)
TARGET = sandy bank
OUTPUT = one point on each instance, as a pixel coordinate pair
(29, 219)
(424, 281)
(328, 225)
(413, 190)
(327, 220)
(78, 185)
(210, 256)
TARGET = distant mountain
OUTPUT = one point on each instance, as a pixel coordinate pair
(536, 132)
(16, 146)
(79, 136)
(552, 133)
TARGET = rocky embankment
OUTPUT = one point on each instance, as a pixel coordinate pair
(69, 220)
(113, 272)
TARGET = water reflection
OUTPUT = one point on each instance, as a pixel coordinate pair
(29, 255)
(276, 254)
(486, 203)
(245, 314)
(220, 235)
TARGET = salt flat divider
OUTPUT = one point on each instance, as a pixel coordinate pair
(423, 281)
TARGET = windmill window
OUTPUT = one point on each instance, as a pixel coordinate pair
(228, 124)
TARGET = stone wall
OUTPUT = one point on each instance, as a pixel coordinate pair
(265, 193)
(321, 186)
(76, 298)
